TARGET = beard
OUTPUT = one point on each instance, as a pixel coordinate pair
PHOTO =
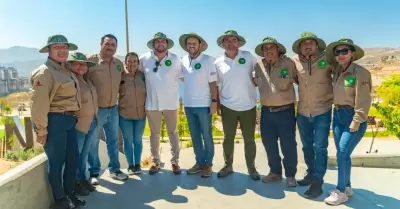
(160, 50)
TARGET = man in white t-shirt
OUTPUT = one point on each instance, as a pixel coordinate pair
(200, 100)
(237, 94)
(162, 70)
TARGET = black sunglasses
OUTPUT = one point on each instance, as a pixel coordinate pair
(157, 65)
(341, 52)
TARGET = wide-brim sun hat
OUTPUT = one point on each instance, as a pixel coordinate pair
(80, 57)
(269, 40)
(58, 39)
(231, 33)
(160, 35)
(358, 53)
(305, 36)
(184, 37)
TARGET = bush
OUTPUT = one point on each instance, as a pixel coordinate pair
(23, 155)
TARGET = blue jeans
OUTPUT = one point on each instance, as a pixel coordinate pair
(85, 142)
(108, 121)
(62, 150)
(132, 132)
(345, 142)
(280, 125)
(314, 133)
(199, 120)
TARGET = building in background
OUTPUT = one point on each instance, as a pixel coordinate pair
(11, 82)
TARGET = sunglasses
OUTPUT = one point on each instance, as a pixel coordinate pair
(157, 65)
(341, 52)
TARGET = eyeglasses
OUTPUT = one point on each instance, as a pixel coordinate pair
(157, 65)
(341, 52)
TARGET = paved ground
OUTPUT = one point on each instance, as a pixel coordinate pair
(374, 188)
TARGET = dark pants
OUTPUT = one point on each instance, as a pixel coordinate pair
(314, 133)
(62, 150)
(247, 120)
(282, 125)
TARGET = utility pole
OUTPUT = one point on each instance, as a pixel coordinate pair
(126, 26)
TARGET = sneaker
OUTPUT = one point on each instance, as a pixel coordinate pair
(94, 179)
(131, 170)
(254, 174)
(314, 191)
(64, 203)
(137, 170)
(195, 169)
(207, 171)
(155, 168)
(272, 177)
(291, 182)
(348, 191)
(336, 198)
(80, 189)
(76, 201)
(306, 181)
(85, 183)
(225, 171)
(176, 169)
(118, 175)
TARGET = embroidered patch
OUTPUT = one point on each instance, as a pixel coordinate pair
(350, 81)
(197, 66)
(322, 64)
(168, 63)
(38, 83)
(242, 61)
(284, 73)
(119, 68)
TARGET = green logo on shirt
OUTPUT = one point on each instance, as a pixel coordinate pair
(322, 64)
(350, 81)
(119, 68)
(197, 66)
(242, 61)
(168, 63)
(284, 73)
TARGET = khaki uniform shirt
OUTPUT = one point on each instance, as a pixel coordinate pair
(132, 96)
(54, 89)
(275, 82)
(315, 85)
(89, 105)
(353, 88)
(106, 77)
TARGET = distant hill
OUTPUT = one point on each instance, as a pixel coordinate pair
(374, 55)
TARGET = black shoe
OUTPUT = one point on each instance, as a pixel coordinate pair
(81, 190)
(137, 170)
(130, 170)
(85, 183)
(307, 180)
(315, 190)
(118, 175)
(76, 201)
(64, 203)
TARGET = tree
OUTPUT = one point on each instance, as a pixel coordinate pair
(163, 130)
(389, 108)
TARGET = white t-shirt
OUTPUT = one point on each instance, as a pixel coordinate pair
(236, 88)
(162, 87)
(198, 73)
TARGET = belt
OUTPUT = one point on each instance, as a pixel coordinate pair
(341, 107)
(279, 108)
(108, 107)
(73, 113)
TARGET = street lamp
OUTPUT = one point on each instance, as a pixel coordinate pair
(126, 26)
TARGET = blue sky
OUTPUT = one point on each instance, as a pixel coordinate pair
(29, 23)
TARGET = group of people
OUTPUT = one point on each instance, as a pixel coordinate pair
(75, 96)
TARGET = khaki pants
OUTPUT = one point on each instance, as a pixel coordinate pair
(170, 117)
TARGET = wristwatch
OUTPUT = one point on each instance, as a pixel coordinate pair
(214, 100)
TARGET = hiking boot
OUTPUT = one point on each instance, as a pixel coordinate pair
(94, 179)
(137, 170)
(176, 169)
(155, 168)
(207, 171)
(195, 169)
(348, 191)
(225, 171)
(76, 201)
(81, 190)
(130, 170)
(336, 198)
(314, 191)
(254, 174)
(271, 177)
(306, 181)
(64, 203)
(118, 175)
(85, 183)
(291, 182)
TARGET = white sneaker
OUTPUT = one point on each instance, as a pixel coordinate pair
(336, 198)
(94, 181)
(348, 191)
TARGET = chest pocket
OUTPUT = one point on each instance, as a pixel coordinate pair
(66, 85)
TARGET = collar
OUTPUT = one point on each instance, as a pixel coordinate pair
(265, 62)
(314, 57)
(198, 58)
(102, 61)
(153, 55)
(351, 69)
(54, 64)
(238, 56)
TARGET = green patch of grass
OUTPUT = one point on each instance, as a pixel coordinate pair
(23, 155)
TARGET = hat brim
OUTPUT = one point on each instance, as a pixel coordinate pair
(184, 37)
(221, 39)
(71, 47)
(259, 52)
(89, 63)
(358, 54)
(296, 44)
(169, 46)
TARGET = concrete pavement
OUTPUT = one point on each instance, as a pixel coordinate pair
(374, 188)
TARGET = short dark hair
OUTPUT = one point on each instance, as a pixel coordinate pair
(109, 36)
(130, 54)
